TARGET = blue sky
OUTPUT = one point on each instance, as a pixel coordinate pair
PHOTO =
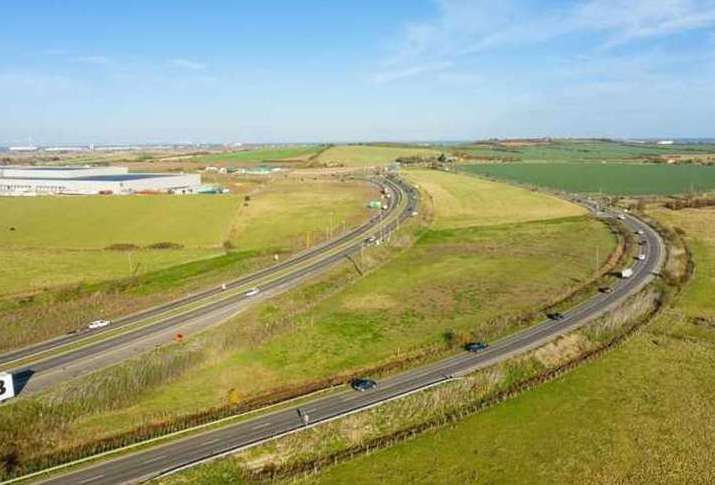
(272, 71)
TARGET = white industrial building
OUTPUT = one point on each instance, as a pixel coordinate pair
(31, 180)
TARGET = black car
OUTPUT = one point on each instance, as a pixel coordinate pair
(556, 316)
(475, 346)
(363, 384)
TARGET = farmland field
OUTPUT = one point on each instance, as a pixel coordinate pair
(626, 179)
(287, 214)
(49, 241)
(641, 414)
(260, 155)
(366, 155)
(469, 280)
(96, 222)
(583, 151)
(469, 201)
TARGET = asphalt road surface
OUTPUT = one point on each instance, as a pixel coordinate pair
(175, 455)
(45, 370)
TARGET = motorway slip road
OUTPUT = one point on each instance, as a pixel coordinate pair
(48, 369)
(191, 450)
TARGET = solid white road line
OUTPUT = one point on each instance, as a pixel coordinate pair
(96, 477)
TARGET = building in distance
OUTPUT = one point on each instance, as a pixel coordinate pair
(77, 180)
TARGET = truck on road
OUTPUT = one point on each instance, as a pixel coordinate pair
(627, 273)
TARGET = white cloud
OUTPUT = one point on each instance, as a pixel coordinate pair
(465, 28)
(54, 52)
(407, 72)
(95, 60)
(187, 64)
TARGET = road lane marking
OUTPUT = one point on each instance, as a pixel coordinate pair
(154, 459)
(259, 426)
(96, 477)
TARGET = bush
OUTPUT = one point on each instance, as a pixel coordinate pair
(165, 245)
(123, 247)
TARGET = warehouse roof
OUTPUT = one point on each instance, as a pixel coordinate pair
(103, 178)
(53, 167)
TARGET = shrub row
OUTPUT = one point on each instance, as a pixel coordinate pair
(134, 247)
(690, 203)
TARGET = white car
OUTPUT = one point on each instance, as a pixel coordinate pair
(621, 217)
(641, 257)
(253, 292)
(98, 324)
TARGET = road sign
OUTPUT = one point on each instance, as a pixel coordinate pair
(7, 388)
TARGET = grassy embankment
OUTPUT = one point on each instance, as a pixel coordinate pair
(620, 179)
(59, 250)
(644, 413)
(479, 279)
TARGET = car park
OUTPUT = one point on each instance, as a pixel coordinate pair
(475, 346)
(363, 384)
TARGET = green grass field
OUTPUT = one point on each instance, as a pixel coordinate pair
(644, 413)
(582, 151)
(467, 280)
(366, 156)
(626, 179)
(49, 241)
(260, 155)
(699, 227)
(288, 214)
(37, 269)
(469, 201)
(96, 222)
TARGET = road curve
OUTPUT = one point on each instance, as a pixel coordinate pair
(49, 362)
(189, 451)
